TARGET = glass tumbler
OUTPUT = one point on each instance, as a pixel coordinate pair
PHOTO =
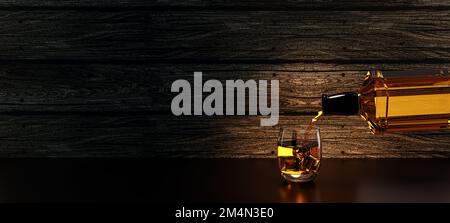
(299, 153)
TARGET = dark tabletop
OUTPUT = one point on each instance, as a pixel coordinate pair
(220, 180)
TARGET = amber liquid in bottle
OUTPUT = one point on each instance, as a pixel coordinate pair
(406, 101)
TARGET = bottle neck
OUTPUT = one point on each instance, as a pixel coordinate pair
(347, 103)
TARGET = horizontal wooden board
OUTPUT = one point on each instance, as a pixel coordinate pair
(190, 136)
(233, 5)
(109, 88)
(225, 36)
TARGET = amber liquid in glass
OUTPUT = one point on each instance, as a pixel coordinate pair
(304, 155)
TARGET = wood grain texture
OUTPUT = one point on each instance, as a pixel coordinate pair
(226, 36)
(189, 136)
(85, 78)
(118, 88)
(231, 5)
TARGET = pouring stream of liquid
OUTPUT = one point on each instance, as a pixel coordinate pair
(311, 125)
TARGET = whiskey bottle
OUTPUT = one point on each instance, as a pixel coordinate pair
(397, 101)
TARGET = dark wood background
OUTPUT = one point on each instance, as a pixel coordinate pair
(92, 78)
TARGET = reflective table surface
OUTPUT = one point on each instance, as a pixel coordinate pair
(220, 180)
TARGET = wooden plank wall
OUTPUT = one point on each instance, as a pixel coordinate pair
(92, 78)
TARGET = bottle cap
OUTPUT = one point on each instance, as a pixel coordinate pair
(346, 103)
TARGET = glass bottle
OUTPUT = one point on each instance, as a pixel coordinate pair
(397, 101)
